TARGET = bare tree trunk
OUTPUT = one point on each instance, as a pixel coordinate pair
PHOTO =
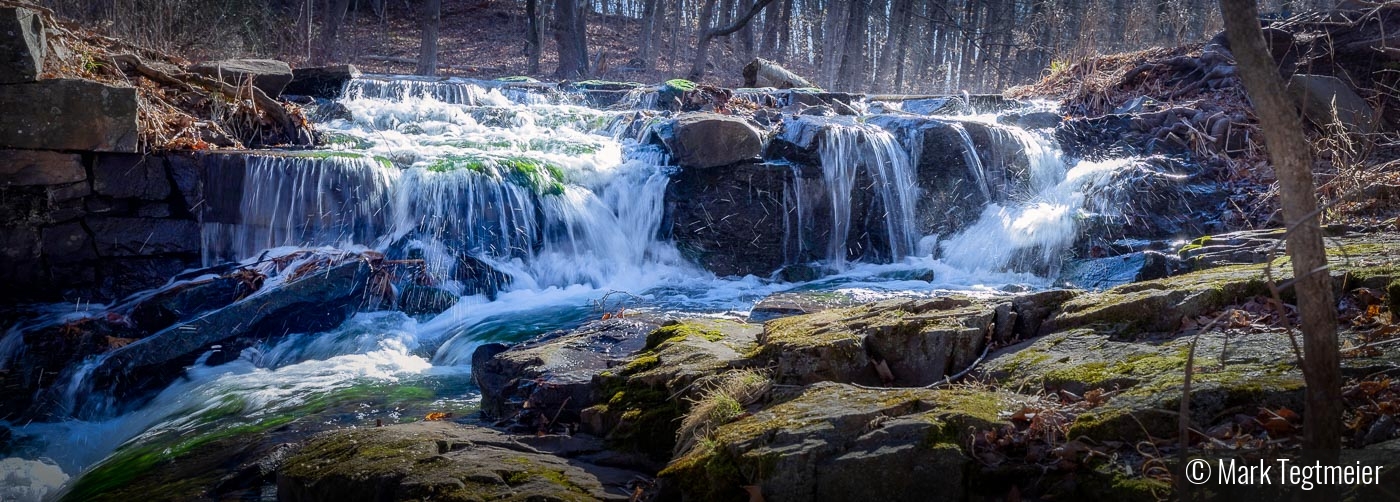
(852, 70)
(335, 17)
(902, 49)
(569, 37)
(647, 36)
(894, 45)
(1289, 150)
(768, 43)
(702, 46)
(428, 48)
(785, 33)
(533, 45)
(746, 33)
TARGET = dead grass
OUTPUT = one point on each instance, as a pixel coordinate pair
(723, 401)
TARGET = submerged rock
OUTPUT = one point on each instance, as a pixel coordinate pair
(420, 300)
(797, 303)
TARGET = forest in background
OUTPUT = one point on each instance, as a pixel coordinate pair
(885, 46)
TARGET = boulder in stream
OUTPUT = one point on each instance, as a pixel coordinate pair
(704, 140)
(320, 294)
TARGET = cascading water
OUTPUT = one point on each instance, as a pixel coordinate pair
(847, 148)
(289, 200)
(561, 197)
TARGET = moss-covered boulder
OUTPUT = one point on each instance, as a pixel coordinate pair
(920, 341)
(840, 442)
(437, 461)
(643, 399)
(554, 373)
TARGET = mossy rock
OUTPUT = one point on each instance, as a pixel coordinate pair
(921, 340)
(538, 175)
(680, 84)
(843, 441)
(648, 394)
(432, 461)
(1148, 374)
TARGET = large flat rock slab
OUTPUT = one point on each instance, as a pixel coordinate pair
(69, 114)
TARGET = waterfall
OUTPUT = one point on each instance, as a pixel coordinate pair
(845, 149)
(973, 161)
(301, 200)
(566, 201)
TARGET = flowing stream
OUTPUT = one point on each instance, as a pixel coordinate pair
(565, 199)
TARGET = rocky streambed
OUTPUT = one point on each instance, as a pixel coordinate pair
(945, 396)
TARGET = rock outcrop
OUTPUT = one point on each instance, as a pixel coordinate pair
(269, 75)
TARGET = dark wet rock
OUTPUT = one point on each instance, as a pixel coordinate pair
(705, 140)
(22, 45)
(425, 300)
(130, 176)
(326, 82)
(479, 278)
(1031, 120)
(1243, 247)
(30, 167)
(838, 442)
(311, 301)
(554, 373)
(797, 303)
(183, 302)
(68, 114)
(115, 236)
(325, 110)
(953, 196)
(1155, 198)
(47, 351)
(269, 75)
(803, 272)
(730, 219)
(439, 461)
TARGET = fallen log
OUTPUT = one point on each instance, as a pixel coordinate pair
(764, 73)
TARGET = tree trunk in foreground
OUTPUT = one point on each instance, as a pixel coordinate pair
(1292, 160)
(428, 49)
